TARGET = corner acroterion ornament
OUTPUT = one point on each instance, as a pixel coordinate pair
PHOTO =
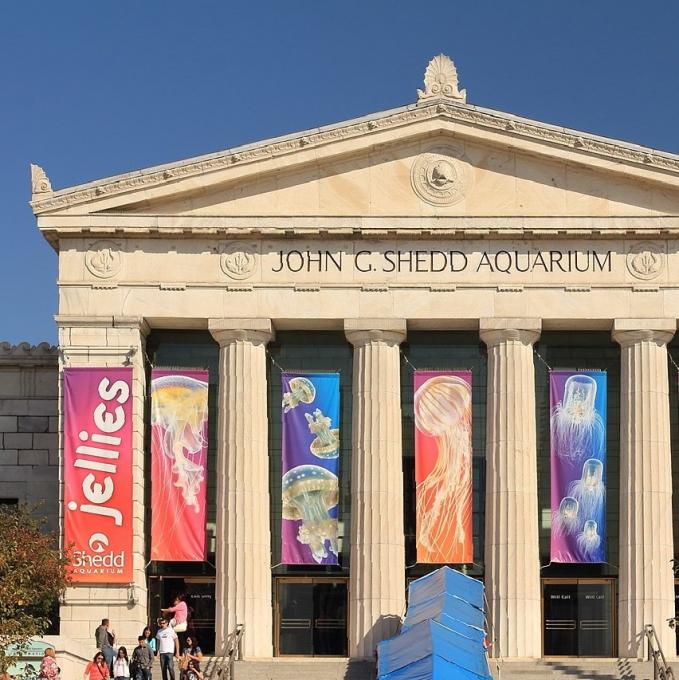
(440, 81)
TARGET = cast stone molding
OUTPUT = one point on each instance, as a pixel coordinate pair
(103, 259)
(646, 261)
(25, 354)
(238, 260)
(40, 183)
(441, 176)
(440, 81)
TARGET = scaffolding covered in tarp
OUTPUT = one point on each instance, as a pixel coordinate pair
(443, 634)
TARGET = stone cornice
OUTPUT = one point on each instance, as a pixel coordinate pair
(487, 119)
(25, 354)
(379, 228)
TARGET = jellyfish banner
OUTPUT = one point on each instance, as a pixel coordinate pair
(310, 484)
(98, 473)
(578, 465)
(443, 466)
(178, 464)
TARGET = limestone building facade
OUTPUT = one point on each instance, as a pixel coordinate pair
(438, 234)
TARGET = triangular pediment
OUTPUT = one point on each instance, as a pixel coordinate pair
(439, 158)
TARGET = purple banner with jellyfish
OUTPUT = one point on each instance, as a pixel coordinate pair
(310, 484)
(578, 465)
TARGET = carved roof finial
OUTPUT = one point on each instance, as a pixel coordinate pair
(440, 81)
(40, 182)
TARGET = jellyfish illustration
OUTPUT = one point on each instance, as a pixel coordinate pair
(577, 428)
(309, 492)
(589, 490)
(326, 444)
(179, 412)
(443, 411)
(566, 519)
(302, 390)
(589, 540)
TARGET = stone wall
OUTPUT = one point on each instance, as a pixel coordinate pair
(29, 427)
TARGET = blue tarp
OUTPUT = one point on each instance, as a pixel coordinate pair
(442, 636)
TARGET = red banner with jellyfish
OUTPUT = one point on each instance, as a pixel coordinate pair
(578, 465)
(443, 466)
(179, 401)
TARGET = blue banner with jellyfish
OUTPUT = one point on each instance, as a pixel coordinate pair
(578, 465)
(310, 484)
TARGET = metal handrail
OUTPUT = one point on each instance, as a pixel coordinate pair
(232, 650)
(661, 669)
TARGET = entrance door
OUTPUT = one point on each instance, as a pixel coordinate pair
(578, 617)
(311, 617)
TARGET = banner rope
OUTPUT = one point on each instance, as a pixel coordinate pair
(274, 362)
(405, 358)
(672, 361)
(539, 356)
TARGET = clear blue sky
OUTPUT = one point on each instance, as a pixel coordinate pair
(91, 89)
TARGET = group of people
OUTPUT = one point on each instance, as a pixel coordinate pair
(109, 663)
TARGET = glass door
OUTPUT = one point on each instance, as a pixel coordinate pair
(578, 617)
(311, 616)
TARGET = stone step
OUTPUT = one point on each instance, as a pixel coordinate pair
(304, 669)
(345, 669)
(572, 669)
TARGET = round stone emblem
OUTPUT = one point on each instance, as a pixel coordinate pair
(645, 261)
(440, 176)
(103, 259)
(238, 261)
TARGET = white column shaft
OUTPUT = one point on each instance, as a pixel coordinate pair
(243, 550)
(646, 586)
(377, 581)
(511, 541)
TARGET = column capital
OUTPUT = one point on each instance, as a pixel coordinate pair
(257, 331)
(630, 331)
(505, 329)
(362, 331)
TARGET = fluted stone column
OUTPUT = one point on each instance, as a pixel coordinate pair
(512, 560)
(646, 585)
(243, 531)
(377, 581)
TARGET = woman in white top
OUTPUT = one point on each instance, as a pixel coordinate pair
(121, 665)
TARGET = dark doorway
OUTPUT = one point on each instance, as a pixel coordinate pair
(578, 617)
(311, 617)
(200, 597)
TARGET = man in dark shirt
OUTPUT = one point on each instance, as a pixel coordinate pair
(142, 656)
(104, 639)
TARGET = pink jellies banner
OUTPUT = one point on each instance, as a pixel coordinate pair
(578, 465)
(178, 464)
(98, 473)
(310, 485)
(443, 466)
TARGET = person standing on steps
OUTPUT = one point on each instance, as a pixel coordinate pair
(142, 659)
(168, 649)
(180, 614)
(105, 638)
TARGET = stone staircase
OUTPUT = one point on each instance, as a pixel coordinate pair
(542, 669)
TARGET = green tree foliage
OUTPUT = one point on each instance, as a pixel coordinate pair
(33, 574)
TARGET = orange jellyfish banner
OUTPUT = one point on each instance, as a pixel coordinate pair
(443, 466)
(98, 473)
(178, 464)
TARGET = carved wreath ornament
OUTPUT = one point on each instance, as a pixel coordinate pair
(440, 176)
(645, 261)
(238, 261)
(103, 259)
